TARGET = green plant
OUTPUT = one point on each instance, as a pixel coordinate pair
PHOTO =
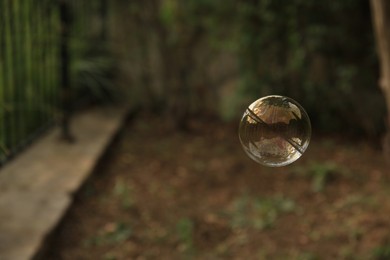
(92, 63)
(321, 174)
(307, 256)
(93, 71)
(111, 233)
(185, 233)
(259, 213)
(382, 252)
(124, 193)
(348, 253)
(109, 256)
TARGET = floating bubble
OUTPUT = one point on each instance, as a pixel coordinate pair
(275, 131)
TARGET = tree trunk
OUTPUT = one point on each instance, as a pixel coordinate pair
(381, 21)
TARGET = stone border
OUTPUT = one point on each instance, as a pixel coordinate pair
(37, 187)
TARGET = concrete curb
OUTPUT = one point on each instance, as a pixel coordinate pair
(37, 188)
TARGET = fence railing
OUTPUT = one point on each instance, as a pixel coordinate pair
(32, 66)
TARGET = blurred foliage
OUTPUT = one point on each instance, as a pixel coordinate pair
(216, 57)
(93, 67)
(124, 193)
(382, 252)
(259, 213)
(321, 174)
(111, 234)
(92, 73)
(29, 66)
(185, 230)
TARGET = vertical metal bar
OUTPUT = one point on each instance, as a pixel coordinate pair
(104, 23)
(40, 65)
(82, 19)
(19, 76)
(29, 65)
(65, 75)
(36, 65)
(30, 68)
(2, 85)
(42, 85)
(45, 64)
(55, 58)
(50, 64)
(6, 78)
(9, 77)
(13, 51)
(35, 118)
(49, 68)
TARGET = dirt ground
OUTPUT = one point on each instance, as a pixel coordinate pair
(161, 194)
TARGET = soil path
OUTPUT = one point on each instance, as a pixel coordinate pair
(161, 194)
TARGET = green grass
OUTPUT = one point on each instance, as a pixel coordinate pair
(110, 234)
(382, 252)
(185, 233)
(321, 174)
(124, 193)
(258, 212)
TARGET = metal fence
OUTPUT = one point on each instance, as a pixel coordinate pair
(35, 65)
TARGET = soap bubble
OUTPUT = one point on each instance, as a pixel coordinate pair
(275, 131)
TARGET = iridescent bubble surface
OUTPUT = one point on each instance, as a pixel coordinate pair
(275, 131)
